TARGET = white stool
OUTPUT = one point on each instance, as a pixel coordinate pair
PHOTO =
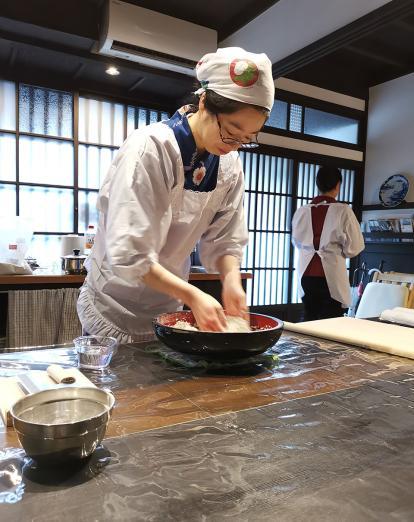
(378, 297)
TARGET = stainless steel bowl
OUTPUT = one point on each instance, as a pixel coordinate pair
(63, 423)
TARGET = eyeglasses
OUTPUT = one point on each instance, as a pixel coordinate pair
(234, 141)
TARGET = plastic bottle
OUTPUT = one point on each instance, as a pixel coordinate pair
(89, 237)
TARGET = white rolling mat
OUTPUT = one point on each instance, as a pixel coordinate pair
(399, 315)
(14, 388)
(388, 338)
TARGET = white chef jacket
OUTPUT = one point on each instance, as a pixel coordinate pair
(340, 238)
(146, 216)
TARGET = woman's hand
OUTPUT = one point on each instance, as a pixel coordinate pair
(208, 312)
(234, 297)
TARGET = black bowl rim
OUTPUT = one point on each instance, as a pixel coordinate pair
(201, 332)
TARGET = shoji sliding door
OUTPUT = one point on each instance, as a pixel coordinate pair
(268, 207)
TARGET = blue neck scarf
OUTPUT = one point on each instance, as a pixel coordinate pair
(200, 170)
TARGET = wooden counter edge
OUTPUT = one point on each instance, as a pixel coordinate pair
(74, 279)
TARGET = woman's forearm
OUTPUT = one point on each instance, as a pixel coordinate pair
(229, 268)
(162, 280)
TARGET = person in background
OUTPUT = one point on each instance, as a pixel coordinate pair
(172, 184)
(325, 232)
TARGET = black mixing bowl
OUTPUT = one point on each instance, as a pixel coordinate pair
(265, 333)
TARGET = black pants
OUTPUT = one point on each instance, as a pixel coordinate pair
(318, 301)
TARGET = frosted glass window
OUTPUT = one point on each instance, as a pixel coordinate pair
(45, 111)
(270, 287)
(295, 120)
(7, 157)
(331, 126)
(153, 116)
(94, 163)
(307, 180)
(250, 165)
(346, 192)
(43, 160)
(138, 117)
(88, 213)
(101, 122)
(267, 205)
(272, 212)
(272, 250)
(307, 188)
(50, 209)
(7, 105)
(7, 200)
(267, 173)
(47, 251)
(278, 115)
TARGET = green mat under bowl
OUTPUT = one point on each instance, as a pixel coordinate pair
(269, 359)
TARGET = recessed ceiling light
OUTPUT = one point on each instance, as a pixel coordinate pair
(113, 71)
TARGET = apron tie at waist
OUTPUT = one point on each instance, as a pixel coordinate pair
(312, 250)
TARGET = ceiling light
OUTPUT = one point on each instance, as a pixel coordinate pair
(113, 71)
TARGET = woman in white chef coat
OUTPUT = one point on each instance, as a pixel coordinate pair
(172, 184)
(325, 232)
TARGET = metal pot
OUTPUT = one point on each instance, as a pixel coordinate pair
(73, 263)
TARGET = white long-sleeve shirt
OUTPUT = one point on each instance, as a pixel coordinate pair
(341, 238)
(146, 216)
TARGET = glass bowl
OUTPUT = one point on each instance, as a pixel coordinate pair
(95, 352)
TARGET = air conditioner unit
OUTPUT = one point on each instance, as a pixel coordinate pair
(150, 38)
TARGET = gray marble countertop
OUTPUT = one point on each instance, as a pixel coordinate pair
(341, 452)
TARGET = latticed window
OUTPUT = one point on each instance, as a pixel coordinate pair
(268, 207)
(51, 171)
(311, 122)
(275, 187)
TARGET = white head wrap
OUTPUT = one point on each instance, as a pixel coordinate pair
(239, 75)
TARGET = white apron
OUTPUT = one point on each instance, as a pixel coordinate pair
(341, 238)
(146, 217)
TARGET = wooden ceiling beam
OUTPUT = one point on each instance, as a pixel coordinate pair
(378, 57)
(136, 84)
(78, 71)
(13, 56)
(403, 25)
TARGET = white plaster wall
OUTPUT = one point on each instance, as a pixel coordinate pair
(290, 25)
(390, 137)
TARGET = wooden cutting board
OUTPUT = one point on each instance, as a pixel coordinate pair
(388, 338)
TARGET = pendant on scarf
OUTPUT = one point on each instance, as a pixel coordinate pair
(198, 174)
